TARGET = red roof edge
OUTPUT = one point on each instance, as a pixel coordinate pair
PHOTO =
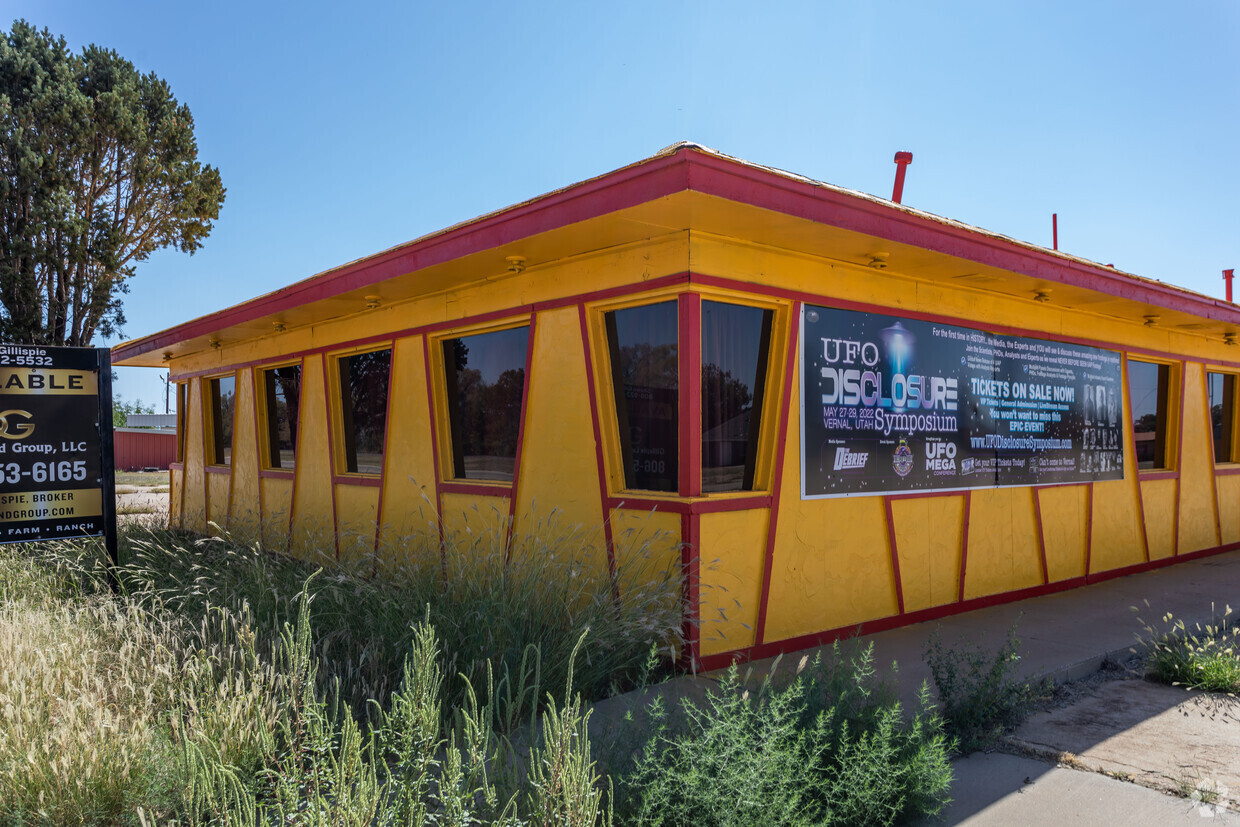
(688, 166)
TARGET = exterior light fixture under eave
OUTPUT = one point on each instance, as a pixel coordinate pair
(1151, 320)
(1042, 296)
(1229, 338)
(515, 263)
(167, 355)
(373, 302)
(878, 260)
(214, 343)
(278, 327)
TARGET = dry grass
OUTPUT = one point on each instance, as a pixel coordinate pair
(84, 693)
(176, 701)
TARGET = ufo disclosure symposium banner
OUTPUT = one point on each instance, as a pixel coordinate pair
(894, 405)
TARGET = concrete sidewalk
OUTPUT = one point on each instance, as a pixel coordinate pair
(1066, 636)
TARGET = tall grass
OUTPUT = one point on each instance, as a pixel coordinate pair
(201, 693)
(516, 608)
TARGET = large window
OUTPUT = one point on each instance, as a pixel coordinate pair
(222, 395)
(643, 346)
(735, 349)
(735, 343)
(1222, 387)
(1148, 388)
(182, 396)
(363, 409)
(485, 376)
(281, 395)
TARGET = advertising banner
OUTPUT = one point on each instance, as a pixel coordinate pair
(55, 445)
(893, 405)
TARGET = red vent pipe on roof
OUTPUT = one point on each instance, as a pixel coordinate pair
(1227, 277)
(903, 159)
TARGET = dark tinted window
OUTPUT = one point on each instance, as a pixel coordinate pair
(223, 394)
(1147, 388)
(735, 343)
(282, 391)
(643, 346)
(363, 408)
(1222, 413)
(486, 379)
(182, 396)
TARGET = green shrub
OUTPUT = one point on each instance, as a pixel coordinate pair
(978, 697)
(830, 746)
(1207, 657)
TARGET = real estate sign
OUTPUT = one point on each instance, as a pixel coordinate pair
(55, 443)
(891, 404)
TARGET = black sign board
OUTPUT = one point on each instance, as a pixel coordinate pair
(893, 404)
(56, 444)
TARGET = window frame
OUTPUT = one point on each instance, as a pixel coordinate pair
(1166, 412)
(214, 453)
(1233, 432)
(689, 311)
(182, 397)
(446, 442)
(268, 448)
(341, 420)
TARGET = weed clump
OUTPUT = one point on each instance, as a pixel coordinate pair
(978, 696)
(1207, 657)
(831, 746)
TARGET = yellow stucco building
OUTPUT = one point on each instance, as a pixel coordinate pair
(860, 413)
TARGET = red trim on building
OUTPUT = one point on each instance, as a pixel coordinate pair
(964, 545)
(218, 469)
(1132, 442)
(351, 479)
(1179, 463)
(259, 439)
(687, 278)
(895, 554)
(514, 313)
(1037, 515)
(628, 187)
(477, 489)
(686, 169)
(387, 453)
(1218, 472)
(1209, 426)
(276, 473)
(331, 453)
(929, 495)
(1089, 528)
(438, 475)
(777, 483)
(690, 368)
(869, 627)
(711, 506)
(887, 310)
(591, 392)
(801, 198)
(1150, 476)
(292, 503)
(690, 565)
(516, 461)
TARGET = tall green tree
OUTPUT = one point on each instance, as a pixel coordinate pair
(98, 169)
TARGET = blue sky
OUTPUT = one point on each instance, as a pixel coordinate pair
(344, 128)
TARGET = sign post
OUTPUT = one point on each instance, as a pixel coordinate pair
(56, 462)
